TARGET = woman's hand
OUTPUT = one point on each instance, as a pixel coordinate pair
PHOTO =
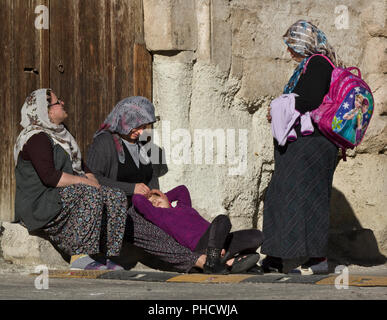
(91, 177)
(158, 192)
(69, 179)
(92, 181)
(142, 188)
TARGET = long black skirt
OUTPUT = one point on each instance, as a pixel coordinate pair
(297, 201)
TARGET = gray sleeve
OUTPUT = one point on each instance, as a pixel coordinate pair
(102, 161)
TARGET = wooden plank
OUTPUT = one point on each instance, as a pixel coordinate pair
(142, 59)
(22, 50)
(95, 78)
(65, 56)
(122, 57)
(142, 75)
(6, 56)
(44, 52)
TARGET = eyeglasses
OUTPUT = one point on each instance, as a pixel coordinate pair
(54, 104)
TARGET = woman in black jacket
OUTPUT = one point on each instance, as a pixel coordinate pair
(118, 159)
(296, 209)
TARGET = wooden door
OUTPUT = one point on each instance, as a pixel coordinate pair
(23, 70)
(92, 55)
(92, 59)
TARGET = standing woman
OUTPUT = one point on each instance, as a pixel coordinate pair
(119, 160)
(296, 210)
(57, 194)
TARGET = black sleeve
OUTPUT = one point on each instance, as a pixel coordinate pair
(39, 151)
(313, 85)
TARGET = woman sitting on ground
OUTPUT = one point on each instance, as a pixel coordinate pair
(118, 159)
(57, 194)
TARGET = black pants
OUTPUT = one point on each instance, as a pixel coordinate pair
(218, 235)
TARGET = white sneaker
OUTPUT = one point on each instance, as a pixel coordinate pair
(308, 268)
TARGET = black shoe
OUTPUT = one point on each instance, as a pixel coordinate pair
(213, 262)
(272, 264)
(257, 270)
(195, 270)
(243, 262)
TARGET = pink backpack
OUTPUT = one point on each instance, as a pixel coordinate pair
(346, 110)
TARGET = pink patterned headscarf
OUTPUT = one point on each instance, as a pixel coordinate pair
(127, 115)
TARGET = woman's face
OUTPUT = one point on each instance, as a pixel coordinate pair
(295, 56)
(135, 133)
(56, 111)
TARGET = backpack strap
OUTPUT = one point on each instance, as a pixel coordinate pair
(318, 54)
(357, 69)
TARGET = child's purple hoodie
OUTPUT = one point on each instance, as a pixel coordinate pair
(183, 222)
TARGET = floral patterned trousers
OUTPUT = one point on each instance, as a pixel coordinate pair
(91, 221)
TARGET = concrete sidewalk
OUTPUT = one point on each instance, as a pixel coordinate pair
(16, 286)
(19, 282)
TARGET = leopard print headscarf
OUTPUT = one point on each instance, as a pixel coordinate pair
(34, 119)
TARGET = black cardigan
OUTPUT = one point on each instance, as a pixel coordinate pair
(313, 85)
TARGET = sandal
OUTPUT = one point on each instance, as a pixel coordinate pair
(95, 265)
(86, 262)
(243, 262)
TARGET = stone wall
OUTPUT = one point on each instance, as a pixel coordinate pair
(218, 64)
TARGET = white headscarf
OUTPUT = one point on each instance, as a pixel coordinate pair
(34, 119)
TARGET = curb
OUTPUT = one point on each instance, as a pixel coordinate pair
(353, 280)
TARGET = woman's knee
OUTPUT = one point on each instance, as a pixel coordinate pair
(113, 193)
(222, 219)
(91, 195)
(256, 237)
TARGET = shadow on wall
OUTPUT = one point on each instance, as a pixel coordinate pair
(350, 243)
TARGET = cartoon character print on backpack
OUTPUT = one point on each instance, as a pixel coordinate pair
(352, 118)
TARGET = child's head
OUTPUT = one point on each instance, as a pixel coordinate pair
(158, 201)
